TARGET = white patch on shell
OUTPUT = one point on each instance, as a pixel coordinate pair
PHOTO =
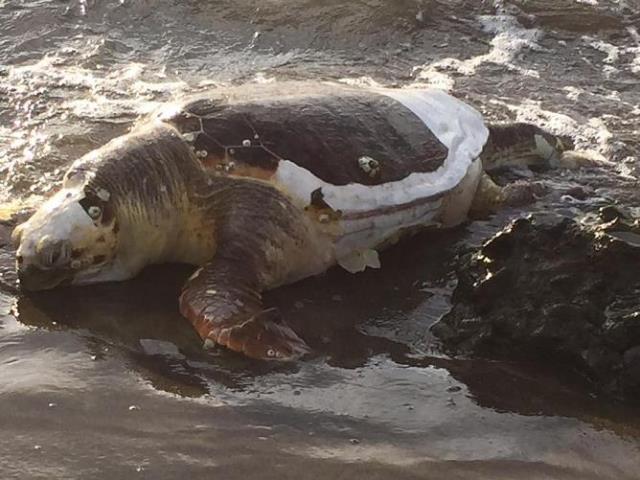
(246, 143)
(457, 125)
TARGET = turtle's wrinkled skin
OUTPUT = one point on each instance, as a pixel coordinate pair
(265, 185)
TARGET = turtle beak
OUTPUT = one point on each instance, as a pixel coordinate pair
(45, 266)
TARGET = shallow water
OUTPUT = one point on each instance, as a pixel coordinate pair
(110, 382)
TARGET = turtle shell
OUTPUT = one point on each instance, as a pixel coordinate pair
(335, 145)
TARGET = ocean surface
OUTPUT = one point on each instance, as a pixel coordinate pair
(109, 382)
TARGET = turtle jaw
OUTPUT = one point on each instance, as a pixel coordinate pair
(34, 279)
(113, 271)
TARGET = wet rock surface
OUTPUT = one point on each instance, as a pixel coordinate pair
(552, 290)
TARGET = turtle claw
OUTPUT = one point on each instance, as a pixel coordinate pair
(265, 336)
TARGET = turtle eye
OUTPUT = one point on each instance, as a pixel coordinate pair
(94, 212)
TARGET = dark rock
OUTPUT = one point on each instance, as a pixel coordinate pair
(549, 289)
(577, 192)
(632, 356)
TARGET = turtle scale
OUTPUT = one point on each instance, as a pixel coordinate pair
(326, 132)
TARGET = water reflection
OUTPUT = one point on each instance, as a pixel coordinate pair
(351, 322)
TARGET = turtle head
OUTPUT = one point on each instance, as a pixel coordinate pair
(71, 239)
(118, 211)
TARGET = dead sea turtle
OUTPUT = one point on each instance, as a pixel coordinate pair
(264, 185)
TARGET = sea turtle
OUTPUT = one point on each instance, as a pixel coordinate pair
(263, 185)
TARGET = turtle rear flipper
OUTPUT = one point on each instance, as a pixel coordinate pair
(490, 197)
(225, 309)
(523, 145)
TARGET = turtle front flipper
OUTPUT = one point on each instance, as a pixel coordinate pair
(259, 234)
(225, 308)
